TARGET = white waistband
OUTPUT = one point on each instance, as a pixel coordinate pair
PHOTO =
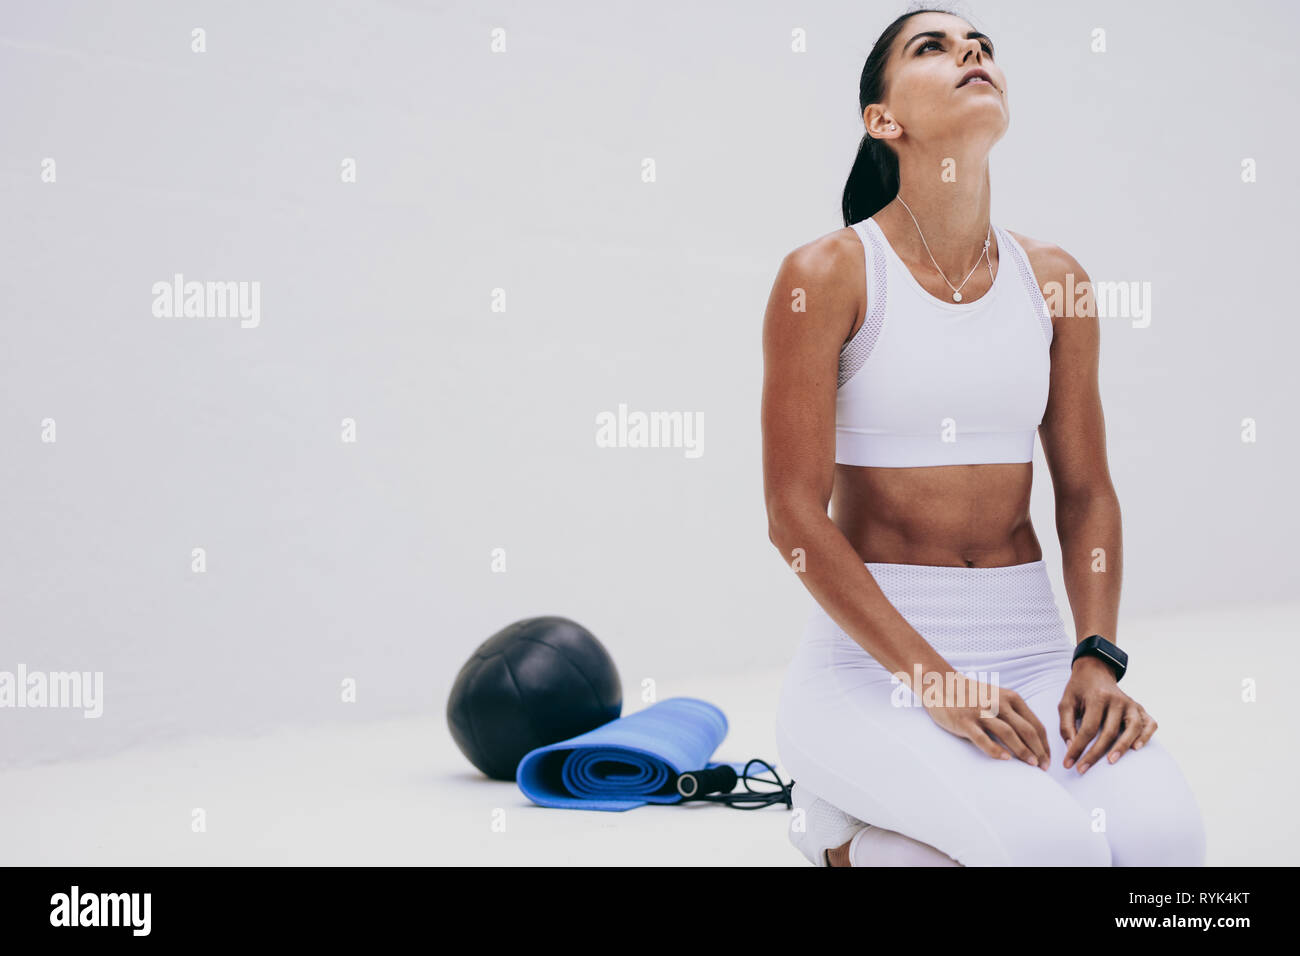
(968, 611)
(854, 447)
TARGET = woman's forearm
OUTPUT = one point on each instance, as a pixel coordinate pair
(1088, 527)
(835, 575)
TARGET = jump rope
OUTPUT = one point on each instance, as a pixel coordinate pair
(716, 785)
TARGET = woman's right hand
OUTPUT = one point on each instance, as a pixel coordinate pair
(984, 714)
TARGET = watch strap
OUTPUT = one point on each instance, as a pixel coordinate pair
(1097, 646)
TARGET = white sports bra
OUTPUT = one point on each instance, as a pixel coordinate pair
(928, 382)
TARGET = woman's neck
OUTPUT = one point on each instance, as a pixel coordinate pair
(950, 210)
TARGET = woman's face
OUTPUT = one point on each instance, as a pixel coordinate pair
(924, 90)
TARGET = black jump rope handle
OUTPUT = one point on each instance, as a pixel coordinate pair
(697, 783)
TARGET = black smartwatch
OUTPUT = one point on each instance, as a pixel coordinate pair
(1098, 646)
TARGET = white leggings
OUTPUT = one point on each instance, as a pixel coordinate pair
(842, 734)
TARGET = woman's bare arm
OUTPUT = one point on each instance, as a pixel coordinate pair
(814, 305)
(1073, 434)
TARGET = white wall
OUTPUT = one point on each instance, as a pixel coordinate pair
(522, 171)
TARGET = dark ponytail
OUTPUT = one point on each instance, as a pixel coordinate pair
(873, 181)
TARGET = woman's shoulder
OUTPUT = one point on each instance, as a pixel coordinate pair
(831, 269)
(829, 255)
(1049, 262)
(827, 275)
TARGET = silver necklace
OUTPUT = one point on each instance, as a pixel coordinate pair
(956, 293)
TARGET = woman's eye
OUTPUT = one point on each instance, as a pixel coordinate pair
(988, 50)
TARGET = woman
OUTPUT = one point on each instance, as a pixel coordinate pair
(915, 715)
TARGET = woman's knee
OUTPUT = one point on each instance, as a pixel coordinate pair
(1151, 815)
(1064, 837)
(1174, 836)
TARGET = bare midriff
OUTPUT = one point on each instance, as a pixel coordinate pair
(971, 516)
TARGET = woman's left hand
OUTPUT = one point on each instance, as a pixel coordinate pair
(1104, 711)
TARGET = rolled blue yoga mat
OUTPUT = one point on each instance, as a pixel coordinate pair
(627, 762)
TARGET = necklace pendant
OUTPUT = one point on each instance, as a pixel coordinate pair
(956, 297)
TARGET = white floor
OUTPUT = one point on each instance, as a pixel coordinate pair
(400, 793)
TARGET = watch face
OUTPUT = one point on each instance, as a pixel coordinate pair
(1109, 649)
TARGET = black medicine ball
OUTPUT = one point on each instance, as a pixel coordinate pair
(535, 682)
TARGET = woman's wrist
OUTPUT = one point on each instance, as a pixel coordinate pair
(1090, 663)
